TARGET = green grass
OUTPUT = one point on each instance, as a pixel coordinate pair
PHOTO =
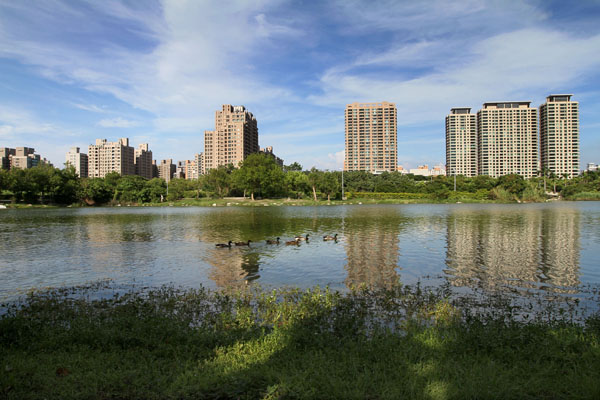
(585, 196)
(392, 344)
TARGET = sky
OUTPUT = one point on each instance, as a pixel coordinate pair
(155, 71)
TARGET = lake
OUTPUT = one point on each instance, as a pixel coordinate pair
(552, 247)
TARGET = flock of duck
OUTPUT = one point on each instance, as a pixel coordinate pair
(297, 240)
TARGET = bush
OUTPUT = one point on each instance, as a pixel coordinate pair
(501, 194)
(386, 196)
(585, 196)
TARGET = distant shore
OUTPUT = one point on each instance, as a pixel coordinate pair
(247, 202)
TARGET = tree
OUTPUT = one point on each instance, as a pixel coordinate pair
(296, 182)
(292, 167)
(130, 189)
(314, 177)
(259, 173)
(218, 180)
(65, 185)
(95, 191)
(154, 190)
(513, 183)
(177, 188)
(328, 184)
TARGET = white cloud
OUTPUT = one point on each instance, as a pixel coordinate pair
(267, 29)
(118, 123)
(90, 107)
(507, 66)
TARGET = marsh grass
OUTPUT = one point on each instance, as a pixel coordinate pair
(403, 342)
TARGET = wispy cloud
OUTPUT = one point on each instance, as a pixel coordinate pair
(90, 107)
(167, 65)
(118, 123)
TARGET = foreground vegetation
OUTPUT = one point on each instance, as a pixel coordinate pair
(395, 343)
(260, 177)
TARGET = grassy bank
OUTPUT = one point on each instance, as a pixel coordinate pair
(247, 202)
(399, 343)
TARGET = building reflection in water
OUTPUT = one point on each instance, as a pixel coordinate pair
(537, 248)
(233, 267)
(372, 248)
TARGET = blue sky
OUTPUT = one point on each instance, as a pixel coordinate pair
(156, 71)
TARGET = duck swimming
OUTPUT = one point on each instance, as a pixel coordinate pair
(224, 244)
(272, 241)
(302, 238)
(329, 237)
(292, 242)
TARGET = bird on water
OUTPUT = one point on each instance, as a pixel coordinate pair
(224, 244)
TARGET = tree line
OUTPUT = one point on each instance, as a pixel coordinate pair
(259, 176)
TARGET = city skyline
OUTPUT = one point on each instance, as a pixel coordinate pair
(75, 72)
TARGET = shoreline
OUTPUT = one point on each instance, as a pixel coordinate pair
(229, 202)
(401, 342)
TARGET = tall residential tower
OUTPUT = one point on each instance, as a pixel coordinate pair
(371, 137)
(235, 137)
(507, 140)
(78, 160)
(461, 142)
(559, 135)
(105, 157)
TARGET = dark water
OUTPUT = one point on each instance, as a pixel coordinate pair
(544, 247)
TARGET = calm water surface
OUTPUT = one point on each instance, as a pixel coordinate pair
(548, 247)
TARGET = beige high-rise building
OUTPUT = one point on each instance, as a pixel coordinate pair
(190, 168)
(143, 161)
(371, 137)
(507, 139)
(235, 137)
(5, 156)
(105, 157)
(166, 169)
(559, 135)
(461, 142)
(199, 159)
(25, 157)
(79, 161)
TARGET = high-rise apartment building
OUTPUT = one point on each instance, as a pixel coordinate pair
(371, 137)
(105, 157)
(166, 169)
(559, 135)
(79, 161)
(25, 157)
(507, 139)
(461, 142)
(199, 159)
(143, 161)
(235, 137)
(269, 152)
(5, 156)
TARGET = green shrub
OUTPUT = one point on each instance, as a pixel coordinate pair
(585, 196)
(385, 196)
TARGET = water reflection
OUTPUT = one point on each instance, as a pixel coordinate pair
(372, 247)
(525, 248)
(552, 247)
(233, 267)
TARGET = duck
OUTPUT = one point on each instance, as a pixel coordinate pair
(224, 244)
(329, 237)
(243, 243)
(272, 241)
(302, 238)
(292, 242)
